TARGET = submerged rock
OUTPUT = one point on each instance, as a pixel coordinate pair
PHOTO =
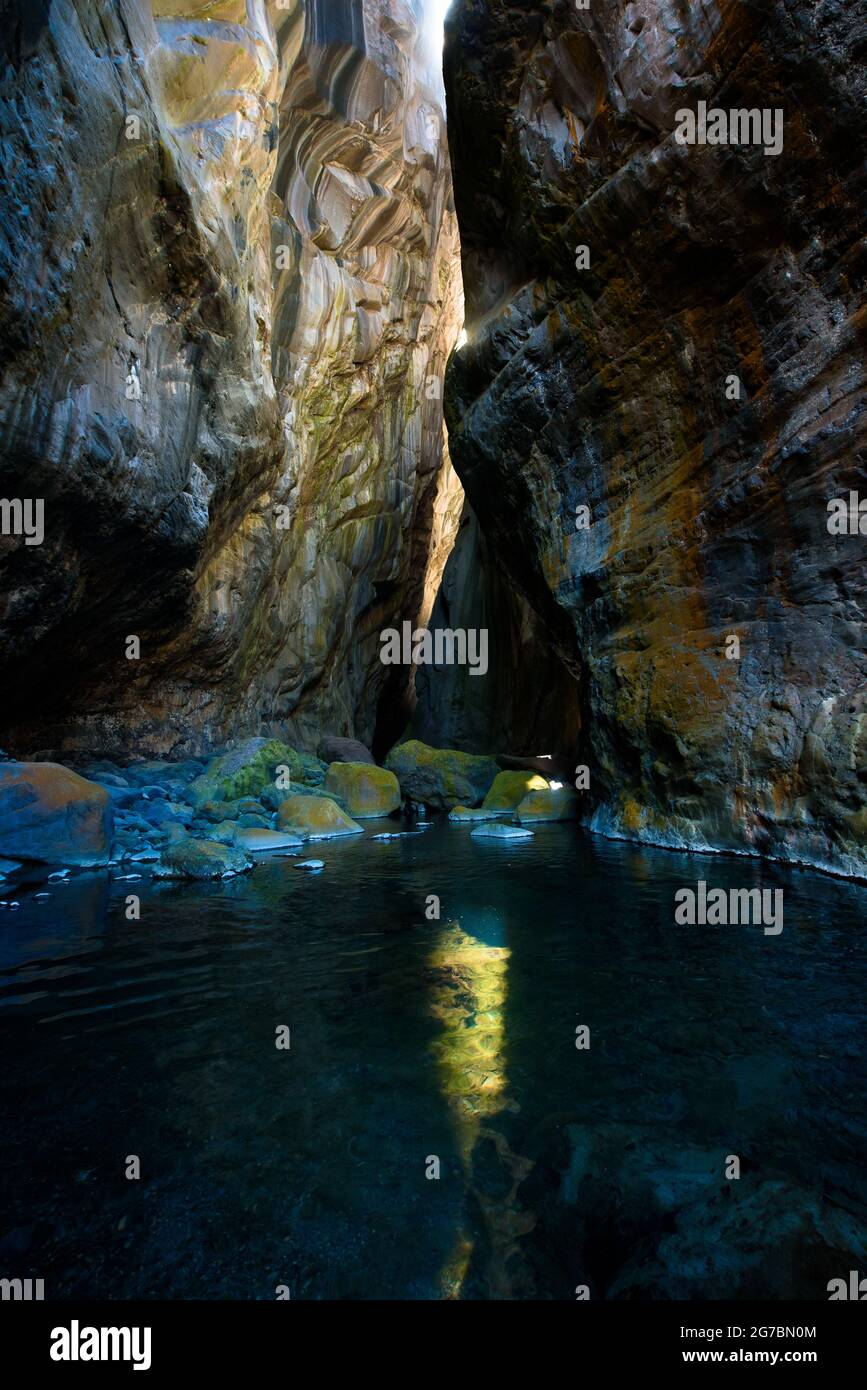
(201, 859)
(554, 803)
(319, 817)
(441, 777)
(509, 790)
(365, 791)
(495, 831)
(50, 814)
(311, 865)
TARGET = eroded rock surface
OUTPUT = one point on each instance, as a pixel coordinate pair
(230, 285)
(605, 387)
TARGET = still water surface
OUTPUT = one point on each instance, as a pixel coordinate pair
(414, 1040)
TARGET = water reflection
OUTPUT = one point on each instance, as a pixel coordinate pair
(456, 1039)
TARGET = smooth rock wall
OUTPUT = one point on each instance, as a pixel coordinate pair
(223, 338)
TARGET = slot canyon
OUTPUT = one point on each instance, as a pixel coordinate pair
(328, 327)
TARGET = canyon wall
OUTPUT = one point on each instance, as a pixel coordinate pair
(605, 379)
(230, 285)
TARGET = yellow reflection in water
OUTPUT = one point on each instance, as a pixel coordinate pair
(468, 995)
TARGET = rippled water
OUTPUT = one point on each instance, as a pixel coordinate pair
(453, 1039)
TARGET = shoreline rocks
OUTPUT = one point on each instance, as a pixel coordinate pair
(441, 778)
(365, 791)
(202, 859)
(52, 815)
(317, 816)
(552, 804)
(509, 789)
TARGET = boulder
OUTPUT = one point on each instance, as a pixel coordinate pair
(345, 750)
(261, 841)
(495, 831)
(251, 768)
(509, 790)
(556, 767)
(555, 803)
(50, 814)
(223, 833)
(201, 859)
(441, 777)
(321, 818)
(364, 790)
(273, 797)
(217, 811)
(469, 814)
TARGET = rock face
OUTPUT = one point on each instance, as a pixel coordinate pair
(50, 814)
(605, 379)
(528, 701)
(230, 285)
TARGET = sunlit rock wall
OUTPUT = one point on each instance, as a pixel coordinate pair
(230, 285)
(606, 387)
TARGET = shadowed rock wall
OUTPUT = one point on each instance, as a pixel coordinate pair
(606, 387)
(230, 287)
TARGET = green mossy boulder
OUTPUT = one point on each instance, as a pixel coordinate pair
(556, 803)
(317, 816)
(364, 789)
(462, 815)
(510, 789)
(251, 768)
(441, 777)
